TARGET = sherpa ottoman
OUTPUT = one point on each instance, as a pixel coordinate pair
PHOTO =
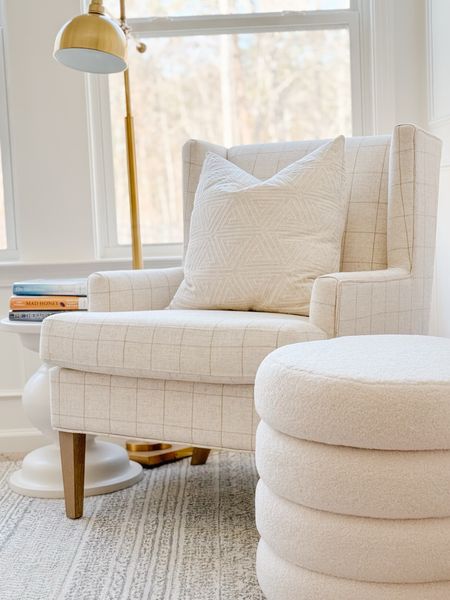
(353, 452)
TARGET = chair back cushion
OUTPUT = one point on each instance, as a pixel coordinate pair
(366, 188)
(260, 244)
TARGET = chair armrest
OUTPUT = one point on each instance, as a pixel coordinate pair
(147, 289)
(364, 302)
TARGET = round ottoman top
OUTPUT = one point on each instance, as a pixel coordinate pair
(388, 392)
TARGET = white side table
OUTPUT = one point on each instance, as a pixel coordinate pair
(108, 467)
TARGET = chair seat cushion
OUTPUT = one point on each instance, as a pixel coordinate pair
(386, 392)
(185, 345)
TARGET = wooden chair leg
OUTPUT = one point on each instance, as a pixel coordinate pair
(73, 451)
(200, 456)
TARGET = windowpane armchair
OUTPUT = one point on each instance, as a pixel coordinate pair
(129, 367)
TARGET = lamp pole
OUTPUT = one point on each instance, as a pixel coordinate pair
(96, 43)
(136, 244)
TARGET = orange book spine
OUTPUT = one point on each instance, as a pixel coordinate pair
(47, 303)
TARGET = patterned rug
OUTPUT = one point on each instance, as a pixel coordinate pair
(182, 533)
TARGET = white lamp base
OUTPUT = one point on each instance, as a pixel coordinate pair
(108, 469)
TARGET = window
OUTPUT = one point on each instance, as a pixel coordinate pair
(7, 230)
(234, 73)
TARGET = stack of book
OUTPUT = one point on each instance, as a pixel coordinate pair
(38, 298)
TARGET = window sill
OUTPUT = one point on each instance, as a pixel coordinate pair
(15, 270)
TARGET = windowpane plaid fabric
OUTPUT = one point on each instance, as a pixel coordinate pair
(139, 374)
(366, 187)
(203, 414)
(184, 345)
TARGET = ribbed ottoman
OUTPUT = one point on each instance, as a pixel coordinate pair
(353, 452)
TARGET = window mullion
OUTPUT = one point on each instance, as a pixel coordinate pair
(252, 23)
(102, 164)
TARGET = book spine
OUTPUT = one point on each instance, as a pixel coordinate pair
(42, 289)
(31, 315)
(47, 303)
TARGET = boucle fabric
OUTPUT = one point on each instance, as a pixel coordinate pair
(353, 481)
(374, 550)
(282, 580)
(260, 245)
(385, 392)
(354, 497)
(184, 345)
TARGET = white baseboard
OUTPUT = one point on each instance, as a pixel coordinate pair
(17, 434)
(10, 394)
(20, 440)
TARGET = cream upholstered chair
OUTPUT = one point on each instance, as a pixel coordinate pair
(128, 367)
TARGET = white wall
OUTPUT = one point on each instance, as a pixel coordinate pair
(50, 170)
(409, 57)
(50, 136)
(55, 223)
(438, 51)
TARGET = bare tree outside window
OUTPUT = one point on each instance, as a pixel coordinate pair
(227, 89)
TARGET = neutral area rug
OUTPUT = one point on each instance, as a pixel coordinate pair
(182, 533)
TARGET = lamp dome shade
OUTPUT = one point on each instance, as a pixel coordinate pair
(92, 43)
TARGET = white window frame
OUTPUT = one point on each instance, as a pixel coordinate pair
(10, 252)
(358, 19)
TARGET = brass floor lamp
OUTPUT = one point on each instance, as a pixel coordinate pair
(96, 43)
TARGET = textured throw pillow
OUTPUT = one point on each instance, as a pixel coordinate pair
(259, 245)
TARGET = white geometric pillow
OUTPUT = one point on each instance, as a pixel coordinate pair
(259, 245)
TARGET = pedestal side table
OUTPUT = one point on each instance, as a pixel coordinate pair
(108, 467)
